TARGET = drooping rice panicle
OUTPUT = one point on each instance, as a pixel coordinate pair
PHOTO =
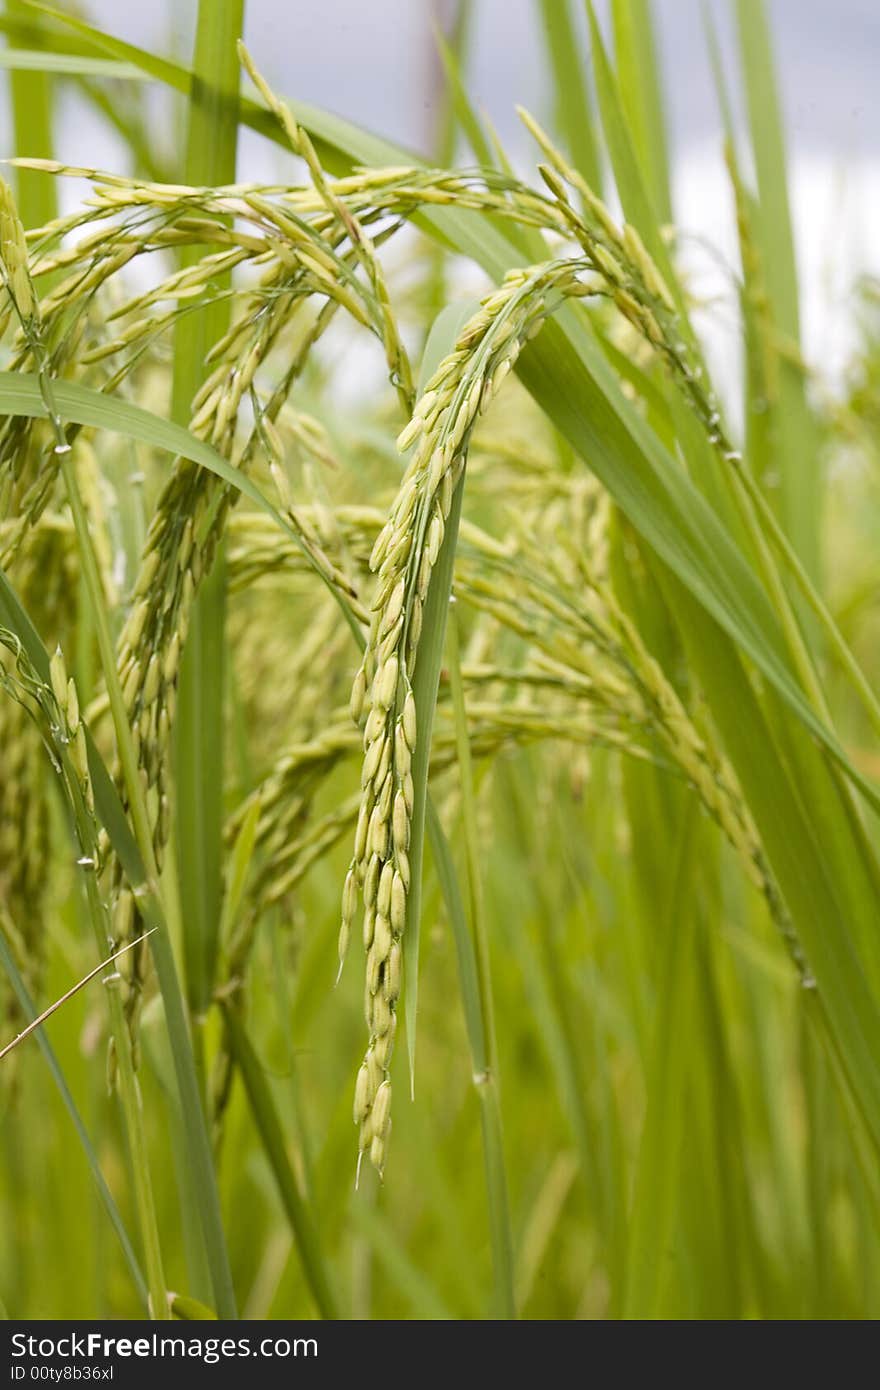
(403, 557)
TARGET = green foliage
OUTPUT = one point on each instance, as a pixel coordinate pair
(640, 952)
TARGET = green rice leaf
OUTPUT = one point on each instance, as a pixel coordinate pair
(639, 80)
(265, 1114)
(20, 395)
(792, 435)
(212, 138)
(67, 65)
(573, 109)
(29, 1010)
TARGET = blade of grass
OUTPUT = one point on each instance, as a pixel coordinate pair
(485, 1059)
(652, 1216)
(596, 422)
(157, 1052)
(286, 1013)
(32, 105)
(262, 1105)
(820, 1178)
(639, 79)
(212, 138)
(57, 1073)
(20, 395)
(758, 335)
(404, 1272)
(190, 1309)
(129, 1092)
(38, 60)
(490, 1117)
(542, 1223)
(738, 1219)
(528, 240)
(635, 196)
(802, 864)
(794, 436)
(556, 1007)
(456, 112)
(30, 31)
(239, 868)
(574, 116)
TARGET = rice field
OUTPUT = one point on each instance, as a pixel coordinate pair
(438, 717)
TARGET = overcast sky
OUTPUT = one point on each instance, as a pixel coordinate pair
(371, 60)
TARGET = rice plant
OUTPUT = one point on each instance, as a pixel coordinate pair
(501, 741)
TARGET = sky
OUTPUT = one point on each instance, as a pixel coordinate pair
(374, 63)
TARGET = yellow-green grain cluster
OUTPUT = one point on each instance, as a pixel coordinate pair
(404, 557)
